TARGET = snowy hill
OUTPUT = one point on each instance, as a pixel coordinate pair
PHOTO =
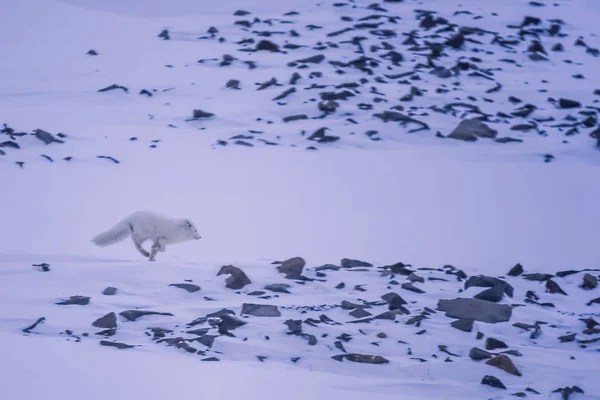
(410, 152)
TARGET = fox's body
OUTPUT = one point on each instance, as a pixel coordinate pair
(146, 225)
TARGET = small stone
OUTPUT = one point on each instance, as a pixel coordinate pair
(132, 315)
(360, 313)
(198, 114)
(493, 382)
(568, 103)
(493, 344)
(292, 268)
(567, 338)
(589, 282)
(504, 362)
(464, 324)
(109, 291)
(349, 263)
(516, 270)
(278, 288)
(109, 321)
(260, 310)
(479, 310)
(381, 335)
(118, 345)
(236, 280)
(188, 287)
(478, 354)
(75, 300)
(470, 130)
(361, 358)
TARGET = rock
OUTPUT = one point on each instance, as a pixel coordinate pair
(260, 310)
(566, 392)
(360, 313)
(267, 45)
(284, 94)
(190, 288)
(118, 345)
(113, 87)
(394, 300)
(34, 325)
(292, 268)
(441, 72)
(320, 137)
(493, 382)
(478, 354)
(236, 280)
(361, 358)
(109, 321)
(328, 106)
(132, 315)
(537, 277)
(504, 362)
(464, 324)
(109, 291)
(75, 300)
(589, 282)
(46, 137)
(278, 288)
(310, 60)
(493, 344)
(493, 294)
(412, 288)
(553, 287)
(567, 338)
(415, 278)
(594, 301)
(233, 84)
(568, 103)
(295, 118)
(471, 129)
(295, 326)
(488, 281)
(479, 310)
(92, 52)
(164, 35)
(516, 270)
(198, 114)
(349, 263)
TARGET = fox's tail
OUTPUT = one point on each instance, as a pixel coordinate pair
(114, 235)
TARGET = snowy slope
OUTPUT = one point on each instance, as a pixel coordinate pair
(261, 190)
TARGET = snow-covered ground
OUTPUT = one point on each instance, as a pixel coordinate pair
(261, 191)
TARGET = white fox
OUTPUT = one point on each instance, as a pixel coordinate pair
(145, 225)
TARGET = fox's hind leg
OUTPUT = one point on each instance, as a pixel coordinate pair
(159, 245)
(138, 246)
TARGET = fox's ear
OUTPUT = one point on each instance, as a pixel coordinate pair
(188, 223)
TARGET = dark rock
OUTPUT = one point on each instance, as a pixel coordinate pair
(504, 362)
(516, 270)
(360, 313)
(478, 354)
(233, 84)
(292, 268)
(328, 106)
(415, 278)
(278, 288)
(394, 300)
(34, 325)
(412, 288)
(207, 340)
(493, 344)
(260, 310)
(75, 300)
(487, 281)
(493, 382)
(118, 345)
(311, 60)
(589, 282)
(479, 310)
(441, 72)
(236, 280)
(471, 129)
(190, 288)
(285, 93)
(198, 114)
(594, 301)
(164, 35)
(493, 294)
(361, 358)
(456, 41)
(566, 392)
(508, 139)
(568, 103)
(567, 338)
(295, 326)
(109, 321)
(109, 291)
(113, 87)
(553, 287)
(46, 137)
(267, 45)
(349, 263)
(464, 324)
(537, 277)
(328, 267)
(92, 52)
(295, 118)
(210, 359)
(320, 136)
(132, 315)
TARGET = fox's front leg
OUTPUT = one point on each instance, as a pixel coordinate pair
(159, 245)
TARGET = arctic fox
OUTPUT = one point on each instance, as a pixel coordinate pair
(145, 225)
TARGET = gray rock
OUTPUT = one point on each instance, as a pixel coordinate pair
(198, 114)
(478, 354)
(479, 310)
(233, 84)
(260, 310)
(236, 280)
(493, 382)
(118, 345)
(189, 287)
(132, 315)
(109, 321)
(75, 300)
(493, 344)
(470, 130)
(553, 287)
(347, 305)
(516, 270)
(360, 313)
(292, 268)
(294, 325)
(441, 72)
(361, 358)
(349, 263)
(46, 137)
(589, 282)
(394, 300)
(488, 281)
(328, 267)
(278, 288)
(493, 294)
(464, 324)
(412, 288)
(109, 291)
(504, 362)
(328, 106)
(415, 278)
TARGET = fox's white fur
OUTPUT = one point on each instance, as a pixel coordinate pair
(146, 225)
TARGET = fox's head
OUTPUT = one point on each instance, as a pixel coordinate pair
(192, 232)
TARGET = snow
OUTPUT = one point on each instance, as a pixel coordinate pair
(411, 197)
